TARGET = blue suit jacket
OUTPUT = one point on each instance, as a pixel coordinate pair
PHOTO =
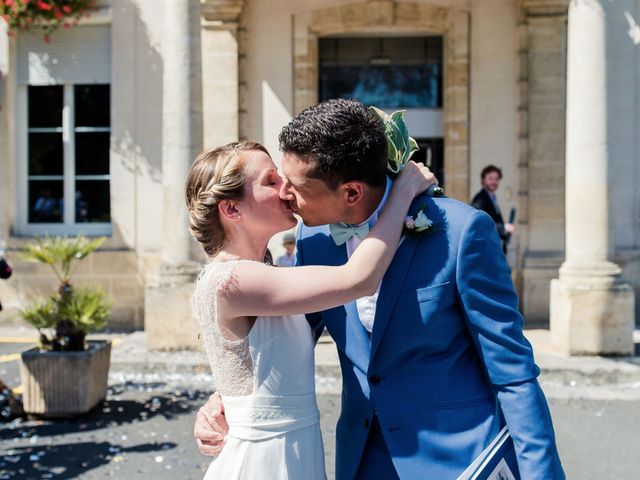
(447, 362)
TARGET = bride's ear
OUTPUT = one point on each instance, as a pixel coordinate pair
(229, 210)
(352, 192)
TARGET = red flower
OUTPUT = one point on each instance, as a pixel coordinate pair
(44, 6)
(66, 9)
(8, 3)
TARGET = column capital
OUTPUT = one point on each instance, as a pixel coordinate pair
(222, 10)
(544, 7)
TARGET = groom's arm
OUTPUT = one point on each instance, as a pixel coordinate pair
(490, 306)
(210, 427)
(316, 322)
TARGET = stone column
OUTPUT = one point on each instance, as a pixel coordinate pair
(220, 71)
(168, 318)
(592, 311)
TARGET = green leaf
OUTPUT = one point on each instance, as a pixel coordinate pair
(43, 314)
(87, 308)
(384, 116)
(400, 146)
(413, 147)
(60, 252)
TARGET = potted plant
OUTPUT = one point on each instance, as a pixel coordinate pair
(44, 15)
(65, 375)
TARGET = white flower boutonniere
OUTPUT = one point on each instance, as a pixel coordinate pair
(400, 146)
(418, 224)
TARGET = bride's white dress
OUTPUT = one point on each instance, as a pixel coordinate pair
(268, 390)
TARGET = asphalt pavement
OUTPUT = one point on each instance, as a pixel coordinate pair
(144, 428)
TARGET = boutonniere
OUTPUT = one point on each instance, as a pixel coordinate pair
(400, 146)
(418, 224)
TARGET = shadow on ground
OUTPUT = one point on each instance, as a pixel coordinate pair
(44, 448)
(68, 460)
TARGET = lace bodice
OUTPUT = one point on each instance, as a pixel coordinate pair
(275, 358)
(230, 360)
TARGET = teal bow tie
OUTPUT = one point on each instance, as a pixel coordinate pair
(341, 232)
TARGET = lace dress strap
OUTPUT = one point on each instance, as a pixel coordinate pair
(230, 360)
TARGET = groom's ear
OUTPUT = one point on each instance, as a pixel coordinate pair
(352, 192)
(229, 210)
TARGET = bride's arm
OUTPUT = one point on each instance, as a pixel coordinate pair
(257, 289)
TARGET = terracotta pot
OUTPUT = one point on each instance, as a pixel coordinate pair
(64, 384)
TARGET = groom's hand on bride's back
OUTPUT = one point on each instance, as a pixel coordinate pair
(211, 426)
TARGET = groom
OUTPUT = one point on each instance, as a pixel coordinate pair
(435, 362)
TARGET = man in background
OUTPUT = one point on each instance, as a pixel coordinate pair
(486, 201)
(289, 258)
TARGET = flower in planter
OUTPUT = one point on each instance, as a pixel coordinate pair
(44, 15)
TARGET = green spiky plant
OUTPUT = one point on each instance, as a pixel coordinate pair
(72, 312)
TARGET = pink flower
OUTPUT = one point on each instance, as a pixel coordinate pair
(66, 9)
(409, 222)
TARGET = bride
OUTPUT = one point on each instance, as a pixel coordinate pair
(258, 341)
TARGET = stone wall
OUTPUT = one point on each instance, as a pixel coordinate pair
(494, 101)
(135, 151)
(118, 273)
(542, 83)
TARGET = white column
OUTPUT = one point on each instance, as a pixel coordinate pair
(181, 40)
(587, 192)
(592, 312)
(169, 322)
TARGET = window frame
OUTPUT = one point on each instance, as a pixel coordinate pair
(69, 225)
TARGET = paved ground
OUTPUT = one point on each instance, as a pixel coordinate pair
(144, 431)
(144, 428)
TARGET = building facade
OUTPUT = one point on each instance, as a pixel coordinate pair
(86, 117)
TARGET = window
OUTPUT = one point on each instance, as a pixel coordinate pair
(401, 73)
(63, 131)
(390, 73)
(67, 159)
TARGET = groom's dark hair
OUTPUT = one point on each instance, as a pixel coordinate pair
(342, 139)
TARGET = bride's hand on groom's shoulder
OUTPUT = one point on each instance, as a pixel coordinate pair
(211, 427)
(415, 178)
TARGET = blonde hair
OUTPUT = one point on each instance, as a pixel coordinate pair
(217, 174)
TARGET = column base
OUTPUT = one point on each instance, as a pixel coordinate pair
(592, 316)
(168, 319)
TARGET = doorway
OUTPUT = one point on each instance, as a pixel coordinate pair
(392, 73)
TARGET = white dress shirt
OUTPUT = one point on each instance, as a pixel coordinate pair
(366, 306)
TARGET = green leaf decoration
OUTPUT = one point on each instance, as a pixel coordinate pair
(400, 146)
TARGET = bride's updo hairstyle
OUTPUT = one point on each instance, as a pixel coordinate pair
(216, 175)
